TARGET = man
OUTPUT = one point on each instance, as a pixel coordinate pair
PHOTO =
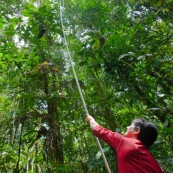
(131, 148)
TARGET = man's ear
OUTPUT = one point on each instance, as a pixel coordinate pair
(137, 131)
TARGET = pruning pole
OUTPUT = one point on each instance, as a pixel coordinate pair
(79, 88)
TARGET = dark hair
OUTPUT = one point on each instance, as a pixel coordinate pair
(148, 131)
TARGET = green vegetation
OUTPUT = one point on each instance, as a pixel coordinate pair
(123, 56)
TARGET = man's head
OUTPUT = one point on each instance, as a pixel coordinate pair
(143, 130)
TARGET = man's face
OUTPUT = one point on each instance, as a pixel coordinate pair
(131, 132)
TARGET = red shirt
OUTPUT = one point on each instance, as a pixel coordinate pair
(133, 156)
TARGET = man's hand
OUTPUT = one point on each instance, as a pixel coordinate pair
(89, 118)
(91, 121)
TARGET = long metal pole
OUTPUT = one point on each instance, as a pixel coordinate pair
(79, 89)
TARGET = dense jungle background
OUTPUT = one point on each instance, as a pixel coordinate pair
(122, 52)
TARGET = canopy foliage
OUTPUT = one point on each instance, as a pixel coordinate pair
(122, 53)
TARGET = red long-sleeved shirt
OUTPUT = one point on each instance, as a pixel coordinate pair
(133, 156)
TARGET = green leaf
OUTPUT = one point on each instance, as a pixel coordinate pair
(98, 155)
